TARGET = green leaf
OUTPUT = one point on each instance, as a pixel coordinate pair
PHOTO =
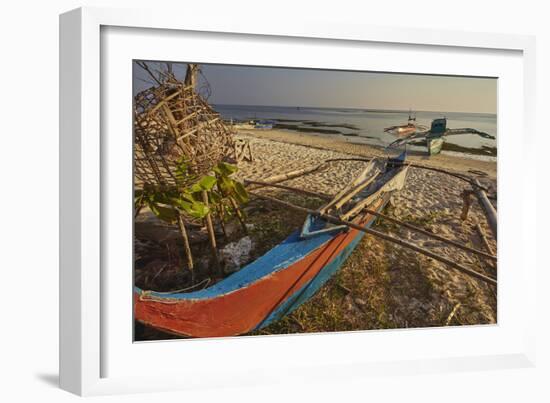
(240, 192)
(215, 197)
(225, 169)
(226, 184)
(207, 182)
(198, 210)
(166, 214)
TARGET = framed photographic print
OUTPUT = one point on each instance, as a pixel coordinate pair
(237, 197)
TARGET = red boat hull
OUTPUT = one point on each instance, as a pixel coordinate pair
(242, 310)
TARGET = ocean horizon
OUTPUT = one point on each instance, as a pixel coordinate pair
(366, 126)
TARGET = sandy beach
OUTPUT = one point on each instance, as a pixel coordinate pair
(413, 290)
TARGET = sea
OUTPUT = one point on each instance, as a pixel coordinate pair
(366, 126)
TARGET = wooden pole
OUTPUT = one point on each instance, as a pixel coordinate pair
(186, 247)
(467, 199)
(292, 174)
(191, 75)
(381, 235)
(308, 170)
(490, 212)
(211, 234)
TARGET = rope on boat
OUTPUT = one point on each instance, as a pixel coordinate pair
(466, 178)
(389, 238)
(206, 281)
(248, 182)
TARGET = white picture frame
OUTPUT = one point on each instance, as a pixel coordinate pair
(95, 46)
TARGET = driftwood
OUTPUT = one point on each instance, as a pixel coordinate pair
(389, 238)
(487, 207)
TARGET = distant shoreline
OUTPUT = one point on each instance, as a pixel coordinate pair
(323, 142)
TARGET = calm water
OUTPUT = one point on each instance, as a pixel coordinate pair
(365, 126)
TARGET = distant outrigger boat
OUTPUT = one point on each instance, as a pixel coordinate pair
(264, 124)
(406, 130)
(435, 136)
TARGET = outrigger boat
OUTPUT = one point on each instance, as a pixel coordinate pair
(280, 281)
(406, 130)
(264, 124)
(435, 136)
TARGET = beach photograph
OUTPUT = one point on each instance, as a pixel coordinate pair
(275, 200)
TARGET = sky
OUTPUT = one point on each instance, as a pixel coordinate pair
(276, 86)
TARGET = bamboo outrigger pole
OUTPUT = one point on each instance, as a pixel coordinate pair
(431, 235)
(389, 238)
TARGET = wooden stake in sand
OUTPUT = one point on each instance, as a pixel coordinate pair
(467, 203)
(389, 238)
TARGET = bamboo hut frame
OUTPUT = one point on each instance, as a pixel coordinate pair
(174, 125)
(179, 138)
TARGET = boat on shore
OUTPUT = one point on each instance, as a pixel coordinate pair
(278, 282)
(434, 138)
(264, 124)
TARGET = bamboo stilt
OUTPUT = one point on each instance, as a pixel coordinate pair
(186, 247)
(239, 214)
(222, 221)
(389, 238)
(211, 234)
